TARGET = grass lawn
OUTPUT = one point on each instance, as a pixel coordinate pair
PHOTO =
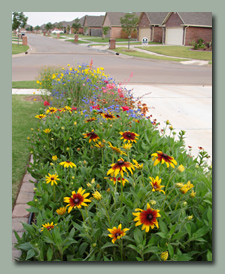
(23, 120)
(25, 84)
(19, 48)
(79, 41)
(180, 51)
(145, 55)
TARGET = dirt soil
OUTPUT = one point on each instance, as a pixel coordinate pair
(31, 98)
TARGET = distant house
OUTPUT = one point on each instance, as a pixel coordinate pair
(112, 20)
(150, 26)
(182, 28)
(81, 29)
(93, 25)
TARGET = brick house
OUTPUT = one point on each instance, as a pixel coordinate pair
(93, 25)
(112, 20)
(81, 29)
(183, 28)
(150, 26)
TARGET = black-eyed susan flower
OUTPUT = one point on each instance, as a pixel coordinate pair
(147, 218)
(108, 116)
(123, 181)
(119, 167)
(92, 136)
(47, 130)
(156, 184)
(77, 200)
(127, 146)
(117, 233)
(116, 149)
(91, 119)
(67, 164)
(40, 116)
(52, 179)
(97, 195)
(61, 211)
(184, 189)
(137, 165)
(51, 110)
(164, 256)
(99, 145)
(129, 136)
(48, 226)
(163, 158)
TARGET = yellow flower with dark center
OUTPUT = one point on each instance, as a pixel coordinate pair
(92, 136)
(147, 218)
(40, 116)
(54, 158)
(67, 164)
(97, 195)
(77, 200)
(186, 187)
(52, 179)
(129, 136)
(47, 130)
(108, 116)
(61, 211)
(163, 158)
(91, 119)
(99, 145)
(119, 167)
(138, 166)
(51, 110)
(116, 149)
(156, 184)
(48, 226)
(117, 233)
(164, 256)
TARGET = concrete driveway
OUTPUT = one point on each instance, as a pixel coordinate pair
(188, 108)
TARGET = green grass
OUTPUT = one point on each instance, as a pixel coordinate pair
(180, 51)
(25, 84)
(99, 39)
(19, 48)
(23, 120)
(145, 55)
(79, 41)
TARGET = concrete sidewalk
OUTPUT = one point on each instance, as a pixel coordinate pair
(188, 108)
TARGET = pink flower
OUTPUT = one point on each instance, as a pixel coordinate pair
(96, 107)
(46, 103)
(110, 86)
(106, 81)
(125, 108)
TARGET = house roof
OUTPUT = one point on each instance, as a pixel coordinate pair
(156, 18)
(194, 18)
(94, 21)
(114, 17)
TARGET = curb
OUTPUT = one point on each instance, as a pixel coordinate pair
(20, 214)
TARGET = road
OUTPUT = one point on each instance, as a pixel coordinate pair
(45, 51)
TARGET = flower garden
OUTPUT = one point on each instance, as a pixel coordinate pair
(111, 186)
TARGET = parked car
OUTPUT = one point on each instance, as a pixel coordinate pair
(57, 31)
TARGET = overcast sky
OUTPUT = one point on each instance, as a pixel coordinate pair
(40, 18)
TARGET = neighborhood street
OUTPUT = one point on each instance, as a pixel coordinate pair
(45, 51)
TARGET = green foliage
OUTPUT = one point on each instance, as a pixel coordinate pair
(19, 20)
(76, 25)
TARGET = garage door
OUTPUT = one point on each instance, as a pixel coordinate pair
(174, 36)
(144, 32)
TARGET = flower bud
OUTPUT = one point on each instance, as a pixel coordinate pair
(181, 168)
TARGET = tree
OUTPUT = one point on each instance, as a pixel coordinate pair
(68, 29)
(76, 25)
(60, 25)
(19, 21)
(49, 26)
(37, 28)
(105, 31)
(129, 24)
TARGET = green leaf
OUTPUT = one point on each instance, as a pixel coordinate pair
(47, 240)
(49, 254)
(172, 230)
(209, 256)
(201, 232)
(170, 249)
(163, 226)
(209, 216)
(184, 258)
(133, 247)
(162, 235)
(25, 246)
(138, 236)
(179, 235)
(33, 209)
(31, 253)
(139, 259)
(109, 245)
(151, 249)
(82, 248)
(117, 215)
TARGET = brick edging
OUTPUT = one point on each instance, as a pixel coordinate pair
(20, 214)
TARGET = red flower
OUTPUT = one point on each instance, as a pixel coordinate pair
(46, 103)
(95, 107)
(73, 108)
(125, 108)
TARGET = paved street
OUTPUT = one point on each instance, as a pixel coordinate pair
(45, 51)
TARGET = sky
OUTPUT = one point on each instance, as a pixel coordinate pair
(40, 18)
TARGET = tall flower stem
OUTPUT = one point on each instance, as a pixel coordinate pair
(107, 213)
(172, 201)
(54, 192)
(169, 180)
